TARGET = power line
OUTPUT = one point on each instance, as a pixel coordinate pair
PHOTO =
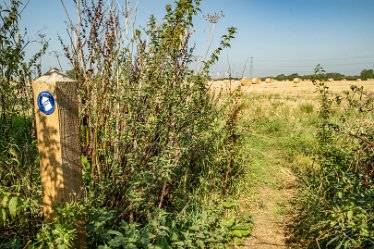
(320, 59)
(304, 66)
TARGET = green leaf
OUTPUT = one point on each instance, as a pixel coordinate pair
(85, 162)
(229, 204)
(229, 223)
(104, 247)
(162, 242)
(165, 228)
(339, 245)
(195, 228)
(114, 232)
(200, 244)
(350, 214)
(13, 206)
(118, 240)
(4, 202)
(331, 241)
(174, 237)
(240, 233)
(178, 243)
(242, 226)
(3, 215)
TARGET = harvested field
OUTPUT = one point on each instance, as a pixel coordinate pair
(289, 88)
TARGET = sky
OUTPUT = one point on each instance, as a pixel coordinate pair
(274, 36)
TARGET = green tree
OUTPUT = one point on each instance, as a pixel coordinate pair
(367, 74)
(335, 76)
(281, 77)
(293, 76)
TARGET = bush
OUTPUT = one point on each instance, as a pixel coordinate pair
(20, 191)
(159, 146)
(337, 202)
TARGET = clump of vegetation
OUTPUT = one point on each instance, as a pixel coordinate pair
(366, 74)
(20, 190)
(337, 199)
(159, 148)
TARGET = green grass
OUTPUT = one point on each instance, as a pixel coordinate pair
(277, 131)
(278, 135)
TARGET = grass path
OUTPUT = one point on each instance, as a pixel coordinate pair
(277, 135)
(269, 214)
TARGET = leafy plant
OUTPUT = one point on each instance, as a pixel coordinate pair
(20, 192)
(335, 206)
(157, 142)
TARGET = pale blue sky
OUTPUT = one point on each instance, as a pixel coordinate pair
(282, 36)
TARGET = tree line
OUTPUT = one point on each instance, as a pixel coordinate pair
(364, 75)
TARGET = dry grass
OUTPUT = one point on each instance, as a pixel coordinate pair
(287, 88)
(269, 230)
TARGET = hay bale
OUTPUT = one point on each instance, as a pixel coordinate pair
(297, 80)
(330, 79)
(256, 80)
(246, 81)
(268, 80)
(358, 80)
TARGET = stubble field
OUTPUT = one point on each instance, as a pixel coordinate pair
(287, 88)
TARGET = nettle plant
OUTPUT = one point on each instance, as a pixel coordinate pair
(156, 140)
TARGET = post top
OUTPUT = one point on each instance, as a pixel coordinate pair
(54, 75)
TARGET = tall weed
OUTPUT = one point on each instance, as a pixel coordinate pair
(337, 202)
(158, 145)
(20, 190)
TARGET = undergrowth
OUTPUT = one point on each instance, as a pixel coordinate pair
(336, 201)
(159, 148)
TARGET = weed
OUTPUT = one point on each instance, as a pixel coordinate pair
(336, 201)
(157, 143)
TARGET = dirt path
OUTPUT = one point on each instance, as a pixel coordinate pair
(269, 213)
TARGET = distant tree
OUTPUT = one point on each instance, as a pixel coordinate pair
(307, 77)
(281, 77)
(367, 74)
(335, 76)
(354, 77)
(293, 76)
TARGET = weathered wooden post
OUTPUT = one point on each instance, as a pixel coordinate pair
(57, 125)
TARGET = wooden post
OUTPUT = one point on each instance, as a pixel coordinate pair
(57, 125)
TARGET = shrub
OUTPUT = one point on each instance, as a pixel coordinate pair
(337, 202)
(20, 190)
(159, 146)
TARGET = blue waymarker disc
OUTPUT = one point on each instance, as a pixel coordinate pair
(46, 103)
